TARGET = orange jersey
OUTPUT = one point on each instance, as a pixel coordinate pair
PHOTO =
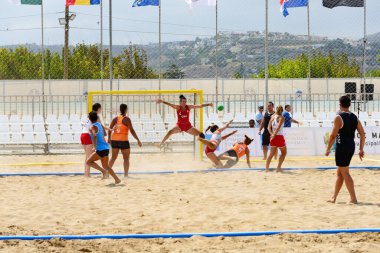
(120, 132)
(240, 149)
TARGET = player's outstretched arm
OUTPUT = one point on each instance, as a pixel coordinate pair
(228, 135)
(247, 155)
(200, 106)
(225, 126)
(160, 101)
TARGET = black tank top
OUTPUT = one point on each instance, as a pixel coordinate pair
(346, 134)
(267, 117)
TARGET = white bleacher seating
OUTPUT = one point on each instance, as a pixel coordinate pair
(156, 118)
(40, 138)
(53, 128)
(51, 119)
(15, 128)
(55, 138)
(15, 119)
(67, 138)
(227, 117)
(65, 128)
(331, 115)
(314, 123)
(4, 119)
(63, 118)
(38, 119)
(327, 123)
(74, 118)
(363, 116)
(297, 116)
(134, 118)
(27, 119)
(148, 127)
(76, 127)
(169, 118)
(159, 127)
(4, 128)
(303, 123)
(137, 126)
(239, 118)
(39, 128)
(77, 137)
(27, 128)
(308, 116)
(145, 118)
(321, 116)
(375, 116)
(152, 137)
(28, 138)
(251, 115)
(213, 117)
(16, 138)
(84, 118)
(5, 138)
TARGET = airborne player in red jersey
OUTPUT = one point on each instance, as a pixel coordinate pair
(183, 123)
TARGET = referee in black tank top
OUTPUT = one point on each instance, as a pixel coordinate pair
(265, 138)
(345, 125)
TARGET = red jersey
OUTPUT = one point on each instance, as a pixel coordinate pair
(184, 119)
(183, 116)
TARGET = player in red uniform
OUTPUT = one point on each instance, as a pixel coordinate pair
(183, 114)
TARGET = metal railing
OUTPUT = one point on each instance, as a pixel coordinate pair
(139, 104)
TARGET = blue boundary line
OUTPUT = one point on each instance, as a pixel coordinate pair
(179, 171)
(187, 235)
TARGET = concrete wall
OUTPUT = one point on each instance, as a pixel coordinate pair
(228, 86)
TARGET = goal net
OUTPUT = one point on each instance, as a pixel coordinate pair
(150, 120)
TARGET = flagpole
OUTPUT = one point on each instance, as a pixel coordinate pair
(43, 59)
(216, 53)
(266, 52)
(365, 54)
(309, 54)
(101, 45)
(110, 53)
(159, 45)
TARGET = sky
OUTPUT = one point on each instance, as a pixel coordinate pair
(21, 24)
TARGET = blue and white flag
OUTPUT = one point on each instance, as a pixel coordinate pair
(290, 4)
(139, 3)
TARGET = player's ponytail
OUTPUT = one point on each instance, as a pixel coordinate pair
(212, 128)
(208, 128)
(247, 140)
(182, 97)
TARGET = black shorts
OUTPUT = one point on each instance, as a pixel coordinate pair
(120, 144)
(265, 138)
(343, 156)
(103, 153)
(231, 153)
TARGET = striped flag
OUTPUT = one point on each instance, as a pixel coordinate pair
(349, 3)
(139, 3)
(26, 2)
(291, 4)
(82, 2)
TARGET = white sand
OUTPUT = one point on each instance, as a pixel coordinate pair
(198, 202)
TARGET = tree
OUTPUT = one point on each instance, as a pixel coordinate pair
(174, 73)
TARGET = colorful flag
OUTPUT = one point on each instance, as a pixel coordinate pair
(291, 4)
(138, 3)
(29, 2)
(193, 3)
(349, 3)
(82, 2)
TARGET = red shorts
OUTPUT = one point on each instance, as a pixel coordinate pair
(85, 139)
(278, 141)
(210, 150)
(185, 127)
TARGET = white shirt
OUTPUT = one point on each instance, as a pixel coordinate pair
(275, 126)
(259, 116)
(217, 138)
(87, 124)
